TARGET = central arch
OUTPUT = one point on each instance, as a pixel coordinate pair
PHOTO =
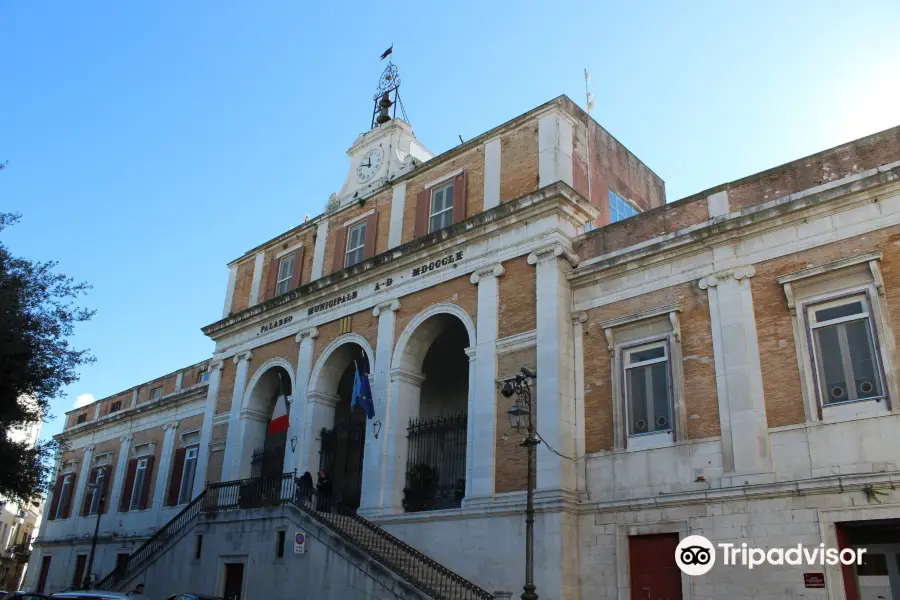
(336, 434)
(264, 419)
(429, 424)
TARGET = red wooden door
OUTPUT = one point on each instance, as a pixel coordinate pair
(78, 575)
(45, 570)
(234, 580)
(654, 573)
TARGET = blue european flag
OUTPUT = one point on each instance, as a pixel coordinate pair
(362, 393)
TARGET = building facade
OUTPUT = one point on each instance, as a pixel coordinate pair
(723, 365)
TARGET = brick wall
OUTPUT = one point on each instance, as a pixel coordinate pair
(518, 162)
(362, 323)
(226, 386)
(188, 424)
(459, 291)
(511, 462)
(124, 398)
(307, 239)
(242, 284)
(381, 202)
(775, 333)
(518, 297)
(697, 364)
(286, 348)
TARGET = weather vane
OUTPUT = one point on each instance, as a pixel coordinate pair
(388, 85)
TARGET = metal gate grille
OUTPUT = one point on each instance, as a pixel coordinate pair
(341, 457)
(436, 463)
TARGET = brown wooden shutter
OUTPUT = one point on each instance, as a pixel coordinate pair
(67, 507)
(371, 232)
(145, 491)
(459, 197)
(272, 281)
(297, 276)
(55, 502)
(128, 485)
(423, 208)
(86, 505)
(175, 479)
(340, 249)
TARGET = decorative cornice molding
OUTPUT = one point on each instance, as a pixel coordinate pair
(551, 252)
(322, 398)
(311, 333)
(579, 317)
(126, 439)
(254, 414)
(89, 448)
(245, 355)
(737, 273)
(471, 352)
(170, 425)
(495, 270)
(401, 374)
(390, 306)
(519, 341)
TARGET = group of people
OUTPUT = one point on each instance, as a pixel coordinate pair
(322, 487)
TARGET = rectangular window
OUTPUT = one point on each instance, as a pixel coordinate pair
(203, 376)
(64, 492)
(440, 214)
(846, 362)
(115, 406)
(618, 208)
(140, 477)
(156, 393)
(279, 544)
(285, 273)
(198, 546)
(356, 243)
(96, 491)
(647, 389)
(81, 419)
(187, 475)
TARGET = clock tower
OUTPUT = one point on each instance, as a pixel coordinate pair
(385, 152)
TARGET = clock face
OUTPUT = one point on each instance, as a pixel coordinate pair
(369, 165)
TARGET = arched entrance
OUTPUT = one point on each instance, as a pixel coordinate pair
(264, 423)
(342, 434)
(431, 381)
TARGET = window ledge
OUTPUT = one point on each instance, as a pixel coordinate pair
(649, 441)
(849, 411)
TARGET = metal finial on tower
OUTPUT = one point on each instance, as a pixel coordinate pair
(388, 94)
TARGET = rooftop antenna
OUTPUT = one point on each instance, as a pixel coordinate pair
(589, 107)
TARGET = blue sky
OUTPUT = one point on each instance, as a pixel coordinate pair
(151, 143)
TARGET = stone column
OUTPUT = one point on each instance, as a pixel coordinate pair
(742, 409)
(482, 407)
(83, 480)
(231, 459)
(209, 412)
(373, 475)
(165, 464)
(293, 458)
(554, 386)
(319, 416)
(121, 467)
(406, 388)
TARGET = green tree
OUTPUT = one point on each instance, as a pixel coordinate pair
(38, 312)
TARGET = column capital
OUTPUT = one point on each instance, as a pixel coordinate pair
(246, 355)
(390, 306)
(402, 374)
(739, 273)
(126, 439)
(216, 364)
(553, 251)
(495, 270)
(471, 351)
(89, 448)
(579, 317)
(323, 398)
(311, 333)
(170, 425)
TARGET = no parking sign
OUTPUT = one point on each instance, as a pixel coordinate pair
(299, 543)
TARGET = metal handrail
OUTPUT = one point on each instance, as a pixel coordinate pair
(420, 570)
(156, 542)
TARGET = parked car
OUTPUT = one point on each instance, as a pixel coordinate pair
(89, 595)
(193, 597)
(22, 596)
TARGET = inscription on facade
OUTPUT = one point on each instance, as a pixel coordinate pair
(383, 284)
(437, 264)
(333, 302)
(274, 324)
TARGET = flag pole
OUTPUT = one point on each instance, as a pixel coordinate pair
(589, 106)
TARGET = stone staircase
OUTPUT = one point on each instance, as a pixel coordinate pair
(418, 570)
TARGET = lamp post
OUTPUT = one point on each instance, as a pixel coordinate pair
(98, 487)
(520, 419)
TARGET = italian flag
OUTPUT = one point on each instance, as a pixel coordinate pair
(280, 421)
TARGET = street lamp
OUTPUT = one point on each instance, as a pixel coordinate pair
(520, 419)
(98, 488)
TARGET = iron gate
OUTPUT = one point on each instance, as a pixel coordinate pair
(341, 457)
(436, 463)
(267, 462)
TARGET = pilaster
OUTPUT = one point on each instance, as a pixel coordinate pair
(232, 442)
(742, 410)
(406, 389)
(299, 406)
(319, 415)
(319, 250)
(121, 467)
(83, 479)
(209, 412)
(165, 464)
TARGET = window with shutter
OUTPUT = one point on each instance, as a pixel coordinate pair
(128, 485)
(65, 497)
(440, 213)
(140, 476)
(99, 481)
(441, 206)
(175, 477)
(187, 479)
(54, 504)
(356, 242)
(285, 273)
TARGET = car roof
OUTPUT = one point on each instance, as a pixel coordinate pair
(90, 594)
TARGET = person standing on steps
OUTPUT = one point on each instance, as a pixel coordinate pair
(323, 491)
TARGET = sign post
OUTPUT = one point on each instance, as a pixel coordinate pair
(299, 543)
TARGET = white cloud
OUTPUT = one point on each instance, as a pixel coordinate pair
(83, 400)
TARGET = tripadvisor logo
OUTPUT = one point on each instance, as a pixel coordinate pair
(695, 555)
